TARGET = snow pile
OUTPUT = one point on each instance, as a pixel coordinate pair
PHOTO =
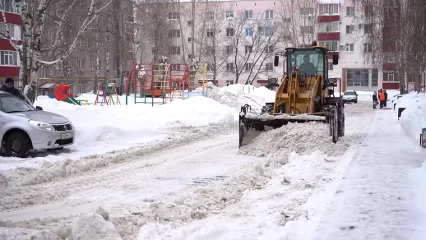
(301, 138)
(238, 95)
(413, 119)
(101, 129)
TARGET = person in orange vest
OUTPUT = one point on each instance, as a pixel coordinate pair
(382, 98)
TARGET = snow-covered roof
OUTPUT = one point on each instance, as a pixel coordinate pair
(48, 85)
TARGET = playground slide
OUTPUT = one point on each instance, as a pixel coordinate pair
(72, 100)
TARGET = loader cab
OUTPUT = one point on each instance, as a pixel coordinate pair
(307, 60)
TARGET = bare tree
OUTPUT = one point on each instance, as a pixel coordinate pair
(33, 14)
(394, 33)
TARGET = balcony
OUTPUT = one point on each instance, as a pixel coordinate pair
(328, 18)
(12, 18)
(329, 36)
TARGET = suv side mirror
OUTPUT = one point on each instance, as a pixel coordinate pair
(39, 108)
(335, 59)
(276, 60)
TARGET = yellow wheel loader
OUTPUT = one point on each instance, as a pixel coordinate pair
(304, 94)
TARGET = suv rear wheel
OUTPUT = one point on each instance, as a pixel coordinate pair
(18, 145)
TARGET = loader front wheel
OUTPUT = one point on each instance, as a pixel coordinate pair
(241, 134)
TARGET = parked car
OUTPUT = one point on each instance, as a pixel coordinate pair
(350, 96)
(24, 127)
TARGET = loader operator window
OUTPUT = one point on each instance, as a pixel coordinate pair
(307, 62)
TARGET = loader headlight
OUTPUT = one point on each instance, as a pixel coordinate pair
(42, 125)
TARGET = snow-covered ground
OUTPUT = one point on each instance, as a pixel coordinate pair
(174, 171)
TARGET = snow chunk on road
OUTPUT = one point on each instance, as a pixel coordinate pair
(26, 234)
(238, 95)
(91, 226)
(301, 138)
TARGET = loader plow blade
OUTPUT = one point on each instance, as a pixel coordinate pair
(251, 126)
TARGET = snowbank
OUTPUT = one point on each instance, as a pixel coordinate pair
(101, 129)
(413, 119)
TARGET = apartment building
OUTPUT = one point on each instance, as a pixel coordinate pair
(237, 39)
(10, 26)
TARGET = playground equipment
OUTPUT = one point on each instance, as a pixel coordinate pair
(62, 94)
(161, 83)
(104, 90)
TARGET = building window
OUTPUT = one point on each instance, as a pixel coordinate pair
(350, 11)
(210, 15)
(210, 50)
(174, 15)
(229, 82)
(8, 58)
(5, 27)
(368, 47)
(229, 49)
(248, 49)
(80, 64)
(268, 66)
(248, 66)
(350, 29)
(229, 14)
(375, 78)
(249, 14)
(349, 47)
(92, 64)
(189, 23)
(286, 37)
(391, 77)
(368, 28)
(230, 32)
(269, 14)
(210, 33)
(269, 49)
(330, 66)
(330, 45)
(174, 33)
(306, 11)
(357, 77)
(329, 9)
(7, 6)
(174, 50)
(189, 39)
(249, 32)
(286, 20)
(329, 27)
(267, 31)
(229, 67)
(307, 29)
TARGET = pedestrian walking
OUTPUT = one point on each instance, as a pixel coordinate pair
(381, 98)
(386, 97)
(375, 103)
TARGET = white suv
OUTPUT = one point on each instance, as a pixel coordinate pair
(23, 127)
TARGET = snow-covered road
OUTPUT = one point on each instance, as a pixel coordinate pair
(202, 190)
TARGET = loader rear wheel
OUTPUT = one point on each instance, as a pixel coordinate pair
(335, 127)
